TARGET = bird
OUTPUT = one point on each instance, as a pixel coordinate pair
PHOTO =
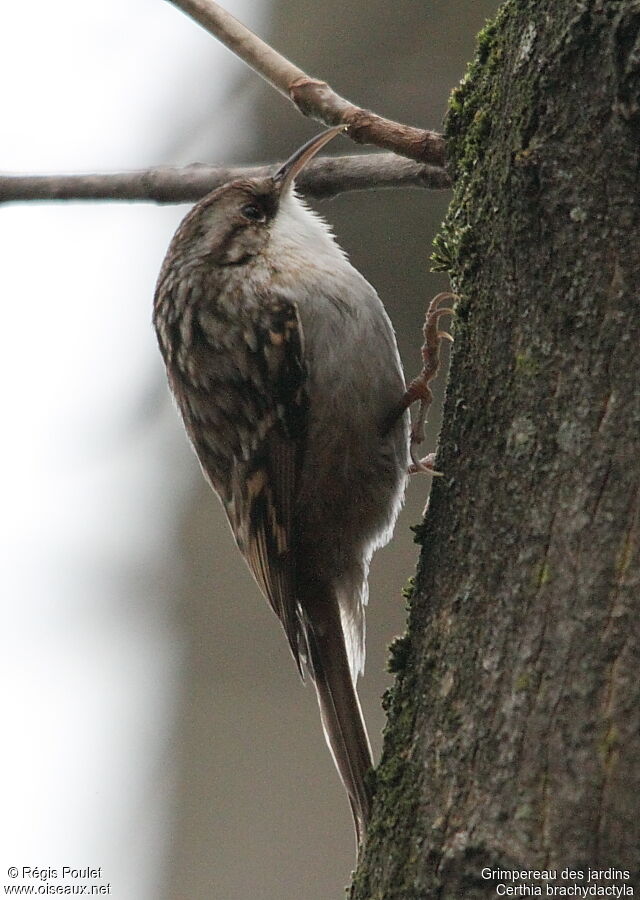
(284, 366)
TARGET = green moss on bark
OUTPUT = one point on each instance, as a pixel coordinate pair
(503, 745)
(398, 874)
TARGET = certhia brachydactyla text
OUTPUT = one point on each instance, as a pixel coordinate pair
(284, 366)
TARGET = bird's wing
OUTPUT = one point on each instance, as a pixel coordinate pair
(260, 502)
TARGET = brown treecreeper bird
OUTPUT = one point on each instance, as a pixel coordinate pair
(284, 366)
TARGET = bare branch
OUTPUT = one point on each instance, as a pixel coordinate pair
(314, 98)
(321, 178)
(262, 58)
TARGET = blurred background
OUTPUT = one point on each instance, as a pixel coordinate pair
(154, 724)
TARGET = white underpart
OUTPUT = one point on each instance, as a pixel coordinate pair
(302, 231)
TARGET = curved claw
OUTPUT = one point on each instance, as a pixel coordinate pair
(419, 388)
(424, 465)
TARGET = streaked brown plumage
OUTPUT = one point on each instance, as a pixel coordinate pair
(285, 369)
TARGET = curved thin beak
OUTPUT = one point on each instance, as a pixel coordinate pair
(288, 171)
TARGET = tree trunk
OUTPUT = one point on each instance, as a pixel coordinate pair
(514, 725)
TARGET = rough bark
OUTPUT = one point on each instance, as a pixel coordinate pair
(514, 725)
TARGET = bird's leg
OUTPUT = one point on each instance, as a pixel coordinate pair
(419, 390)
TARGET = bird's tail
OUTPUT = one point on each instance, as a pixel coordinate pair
(340, 710)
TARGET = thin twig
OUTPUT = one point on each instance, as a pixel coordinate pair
(321, 178)
(314, 98)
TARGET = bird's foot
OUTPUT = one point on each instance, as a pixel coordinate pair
(425, 465)
(419, 389)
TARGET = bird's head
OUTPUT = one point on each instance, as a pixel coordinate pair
(233, 224)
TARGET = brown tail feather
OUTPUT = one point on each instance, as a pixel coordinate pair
(340, 710)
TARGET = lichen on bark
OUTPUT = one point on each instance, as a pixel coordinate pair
(514, 724)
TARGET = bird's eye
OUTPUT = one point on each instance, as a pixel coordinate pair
(253, 213)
